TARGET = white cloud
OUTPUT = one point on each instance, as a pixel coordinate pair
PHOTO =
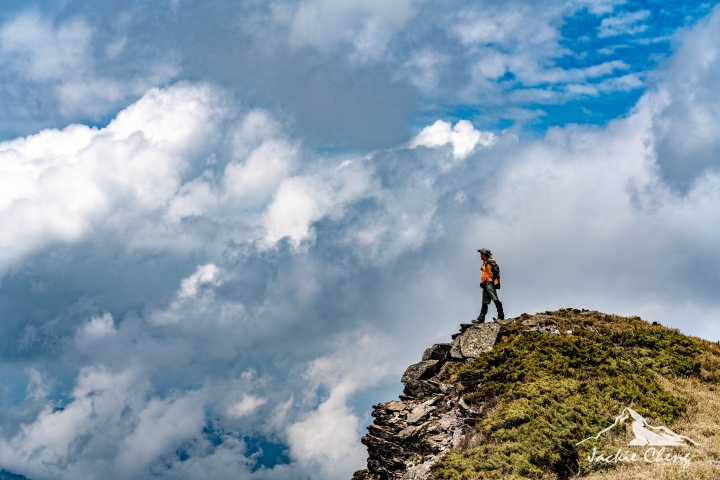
(577, 217)
(95, 335)
(625, 23)
(367, 25)
(113, 424)
(42, 52)
(38, 387)
(687, 106)
(177, 119)
(162, 425)
(520, 40)
(246, 406)
(205, 274)
(499, 26)
(100, 326)
(62, 56)
(59, 185)
(599, 7)
(463, 137)
(256, 127)
(259, 175)
(195, 198)
(327, 438)
(194, 308)
(424, 68)
(302, 200)
(512, 54)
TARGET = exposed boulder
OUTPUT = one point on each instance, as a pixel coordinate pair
(439, 351)
(420, 371)
(478, 339)
(473, 340)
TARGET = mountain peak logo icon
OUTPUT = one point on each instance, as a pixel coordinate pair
(646, 434)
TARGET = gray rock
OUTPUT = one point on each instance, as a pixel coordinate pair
(467, 408)
(407, 437)
(422, 471)
(408, 432)
(439, 351)
(416, 416)
(457, 437)
(538, 320)
(474, 340)
(455, 352)
(545, 329)
(420, 371)
(395, 406)
(422, 410)
(450, 421)
(478, 339)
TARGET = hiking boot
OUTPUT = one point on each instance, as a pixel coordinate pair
(481, 317)
(501, 314)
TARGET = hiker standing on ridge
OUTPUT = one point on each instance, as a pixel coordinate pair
(490, 283)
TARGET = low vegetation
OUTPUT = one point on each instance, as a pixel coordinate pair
(557, 378)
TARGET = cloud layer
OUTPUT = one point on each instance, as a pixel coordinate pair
(350, 73)
(195, 290)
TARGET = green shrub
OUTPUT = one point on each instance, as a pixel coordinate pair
(543, 393)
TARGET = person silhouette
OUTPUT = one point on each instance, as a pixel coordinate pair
(490, 284)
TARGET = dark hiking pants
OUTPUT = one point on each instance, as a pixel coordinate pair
(489, 294)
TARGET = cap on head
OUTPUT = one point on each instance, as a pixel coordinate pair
(485, 251)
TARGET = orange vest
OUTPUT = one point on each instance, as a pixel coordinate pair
(486, 274)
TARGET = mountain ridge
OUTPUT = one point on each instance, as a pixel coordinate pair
(512, 399)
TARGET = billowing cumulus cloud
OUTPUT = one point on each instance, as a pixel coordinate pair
(195, 290)
(58, 186)
(174, 172)
(463, 137)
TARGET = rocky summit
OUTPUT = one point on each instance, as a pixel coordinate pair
(519, 398)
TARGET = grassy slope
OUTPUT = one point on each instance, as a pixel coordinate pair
(542, 393)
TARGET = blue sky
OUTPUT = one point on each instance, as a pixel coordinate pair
(228, 227)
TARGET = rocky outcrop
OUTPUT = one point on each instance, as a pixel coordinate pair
(474, 340)
(534, 394)
(431, 418)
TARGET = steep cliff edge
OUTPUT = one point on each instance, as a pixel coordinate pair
(519, 398)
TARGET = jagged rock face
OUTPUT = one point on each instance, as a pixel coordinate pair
(409, 436)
